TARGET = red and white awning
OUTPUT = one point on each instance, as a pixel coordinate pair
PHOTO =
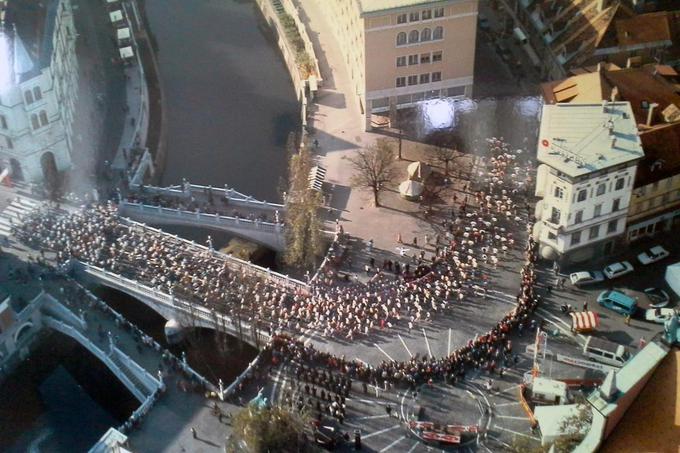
(585, 320)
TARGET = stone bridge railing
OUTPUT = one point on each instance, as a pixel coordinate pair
(168, 305)
(234, 197)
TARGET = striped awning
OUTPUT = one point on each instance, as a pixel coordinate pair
(317, 175)
(585, 320)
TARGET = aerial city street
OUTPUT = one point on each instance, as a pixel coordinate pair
(339, 225)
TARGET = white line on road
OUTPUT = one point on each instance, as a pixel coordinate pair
(383, 351)
(427, 342)
(393, 444)
(382, 431)
(511, 417)
(405, 347)
(371, 417)
(512, 403)
(515, 432)
(414, 447)
(448, 349)
(505, 390)
(497, 439)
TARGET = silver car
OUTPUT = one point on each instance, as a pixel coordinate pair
(616, 270)
(586, 277)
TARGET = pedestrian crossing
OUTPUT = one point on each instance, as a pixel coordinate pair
(14, 214)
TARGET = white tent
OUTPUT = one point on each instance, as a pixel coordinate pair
(418, 171)
(411, 190)
(123, 34)
(673, 277)
(126, 52)
(116, 16)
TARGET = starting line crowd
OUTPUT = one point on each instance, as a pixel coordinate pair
(475, 235)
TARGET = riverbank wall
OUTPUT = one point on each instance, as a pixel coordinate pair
(305, 84)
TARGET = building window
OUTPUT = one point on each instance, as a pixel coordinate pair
(594, 232)
(436, 76)
(427, 14)
(619, 184)
(582, 194)
(438, 33)
(412, 59)
(426, 35)
(576, 238)
(578, 218)
(401, 82)
(597, 211)
(616, 205)
(414, 16)
(425, 58)
(601, 189)
(401, 61)
(559, 192)
(43, 118)
(3, 122)
(424, 78)
(555, 215)
(413, 36)
(34, 121)
(439, 12)
(37, 94)
(611, 226)
(413, 80)
(456, 91)
(436, 56)
(401, 19)
(401, 39)
(665, 197)
(28, 96)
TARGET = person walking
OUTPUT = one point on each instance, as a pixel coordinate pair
(585, 306)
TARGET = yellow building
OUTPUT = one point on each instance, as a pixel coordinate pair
(653, 94)
(399, 52)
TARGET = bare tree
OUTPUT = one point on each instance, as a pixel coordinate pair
(374, 167)
(574, 427)
(445, 156)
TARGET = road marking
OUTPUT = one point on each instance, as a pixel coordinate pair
(405, 347)
(515, 432)
(505, 390)
(386, 354)
(393, 444)
(413, 447)
(511, 417)
(497, 439)
(427, 342)
(371, 417)
(382, 431)
(512, 403)
(448, 349)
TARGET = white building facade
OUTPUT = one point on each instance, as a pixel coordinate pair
(588, 156)
(38, 88)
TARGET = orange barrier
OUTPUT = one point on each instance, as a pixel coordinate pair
(525, 406)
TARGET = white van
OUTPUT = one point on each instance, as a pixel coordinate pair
(606, 352)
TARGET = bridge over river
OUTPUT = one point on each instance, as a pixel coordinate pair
(221, 209)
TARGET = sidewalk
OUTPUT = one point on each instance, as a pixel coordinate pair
(338, 126)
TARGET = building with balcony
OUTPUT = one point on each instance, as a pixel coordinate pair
(588, 156)
(400, 52)
(567, 34)
(38, 88)
(654, 94)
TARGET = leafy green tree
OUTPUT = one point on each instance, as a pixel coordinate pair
(374, 167)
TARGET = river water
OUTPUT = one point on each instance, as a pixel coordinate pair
(229, 101)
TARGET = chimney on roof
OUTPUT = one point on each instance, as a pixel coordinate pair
(650, 113)
(615, 94)
(608, 389)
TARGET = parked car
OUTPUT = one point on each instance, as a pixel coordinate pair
(658, 297)
(616, 270)
(659, 315)
(618, 301)
(586, 277)
(653, 255)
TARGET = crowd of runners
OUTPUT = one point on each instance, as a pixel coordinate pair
(478, 234)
